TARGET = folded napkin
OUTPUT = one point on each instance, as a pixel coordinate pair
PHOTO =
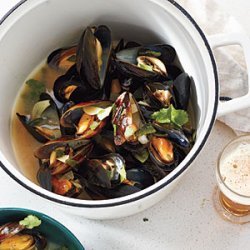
(230, 60)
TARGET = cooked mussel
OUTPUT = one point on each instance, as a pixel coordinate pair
(161, 151)
(92, 56)
(126, 119)
(164, 52)
(145, 68)
(21, 235)
(43, 123)
(107, 171)
(62, 59)
(175, 135)
(70, 87)
(158, 95)
(9, 229)
(62, 155)
(88, 118)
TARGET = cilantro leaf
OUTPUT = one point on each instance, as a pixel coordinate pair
(177, 117)
(30, 222)
(32, 93)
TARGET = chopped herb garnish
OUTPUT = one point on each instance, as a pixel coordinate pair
(171, 115)
(68, 176)
(142, 156)
(30, 222)
(71, 162)
(59, 153)
(33, 92)
(145, 130)
(145, 67)
(152, 53)
(94, 125)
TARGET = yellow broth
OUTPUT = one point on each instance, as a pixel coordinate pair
(24, 143)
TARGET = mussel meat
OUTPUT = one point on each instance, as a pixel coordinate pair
(43, 123)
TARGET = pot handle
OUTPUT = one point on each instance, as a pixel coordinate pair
(243, 40)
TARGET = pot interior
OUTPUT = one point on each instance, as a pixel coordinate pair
(37, 27)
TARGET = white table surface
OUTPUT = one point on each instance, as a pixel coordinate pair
(184, 220)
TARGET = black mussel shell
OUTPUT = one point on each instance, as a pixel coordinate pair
(45, 150)
(88, 50)
(181, 87)
(104, 171)
(111, 193)
(140, 177)
(44, 126)
(62, 59)
(177, 136)
(173, 71)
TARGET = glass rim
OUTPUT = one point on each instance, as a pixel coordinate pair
(238, 138)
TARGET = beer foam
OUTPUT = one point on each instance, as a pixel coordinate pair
(235, 169)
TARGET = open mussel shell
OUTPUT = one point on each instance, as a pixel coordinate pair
(62, 59)
(70, 87)
(9, 229)
(88, 118)
(24, 242)
(43, 124)
(126, 119)
(145, 68)
(92, 56)
(45, 150)
(161, 151)
(175, 135)
(181, 87)
(158, 95)
(164, 52)
(15, 236)
(106, 171)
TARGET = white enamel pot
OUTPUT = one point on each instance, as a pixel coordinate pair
(34, 28)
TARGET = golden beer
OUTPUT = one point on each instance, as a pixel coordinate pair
(232, 197)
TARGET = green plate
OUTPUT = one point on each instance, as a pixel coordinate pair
(50, 228)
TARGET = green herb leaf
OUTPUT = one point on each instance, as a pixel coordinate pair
(152, 53)
(68, 176)
(71, 162)
(59, 153)
(171, 115)
(34, 90)
(145, 67)
(94, 125)
(30, 222)
(145, 130)
(104, 113)
(77, 184)
(123, 174)
(129, 131)
(141, 156)
(115, 129)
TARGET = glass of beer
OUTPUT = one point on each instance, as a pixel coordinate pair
(232, 195)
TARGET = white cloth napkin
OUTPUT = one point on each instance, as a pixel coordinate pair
(230, 60)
